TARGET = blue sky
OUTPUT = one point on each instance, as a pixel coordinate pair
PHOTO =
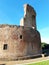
(11, 11)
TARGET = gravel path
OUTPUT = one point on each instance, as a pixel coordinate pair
(20, 62)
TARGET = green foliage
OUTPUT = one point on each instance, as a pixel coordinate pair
(43, 44)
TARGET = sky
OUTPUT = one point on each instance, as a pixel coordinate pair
(11, 11)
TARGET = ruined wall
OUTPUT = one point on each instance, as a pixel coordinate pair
(21, 41)
(29, 19)
(10, 35)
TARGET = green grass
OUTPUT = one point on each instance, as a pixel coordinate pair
(40, 63)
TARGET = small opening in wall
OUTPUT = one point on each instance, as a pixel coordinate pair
(20, 36)
(33, 16)
(5, 47)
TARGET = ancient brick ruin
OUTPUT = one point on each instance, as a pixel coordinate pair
(20, 41)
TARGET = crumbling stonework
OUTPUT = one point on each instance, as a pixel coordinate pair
(20, 41)
(29, 19)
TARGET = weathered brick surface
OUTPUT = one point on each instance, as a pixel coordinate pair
(28, 45)
(22, 41)
(29, 19)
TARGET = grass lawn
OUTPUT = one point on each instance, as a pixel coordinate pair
(40, 63)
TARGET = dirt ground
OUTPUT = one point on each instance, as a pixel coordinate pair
(23, 61)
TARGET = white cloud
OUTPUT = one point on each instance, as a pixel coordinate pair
(45, 35)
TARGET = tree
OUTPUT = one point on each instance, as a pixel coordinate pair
(44, 45)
